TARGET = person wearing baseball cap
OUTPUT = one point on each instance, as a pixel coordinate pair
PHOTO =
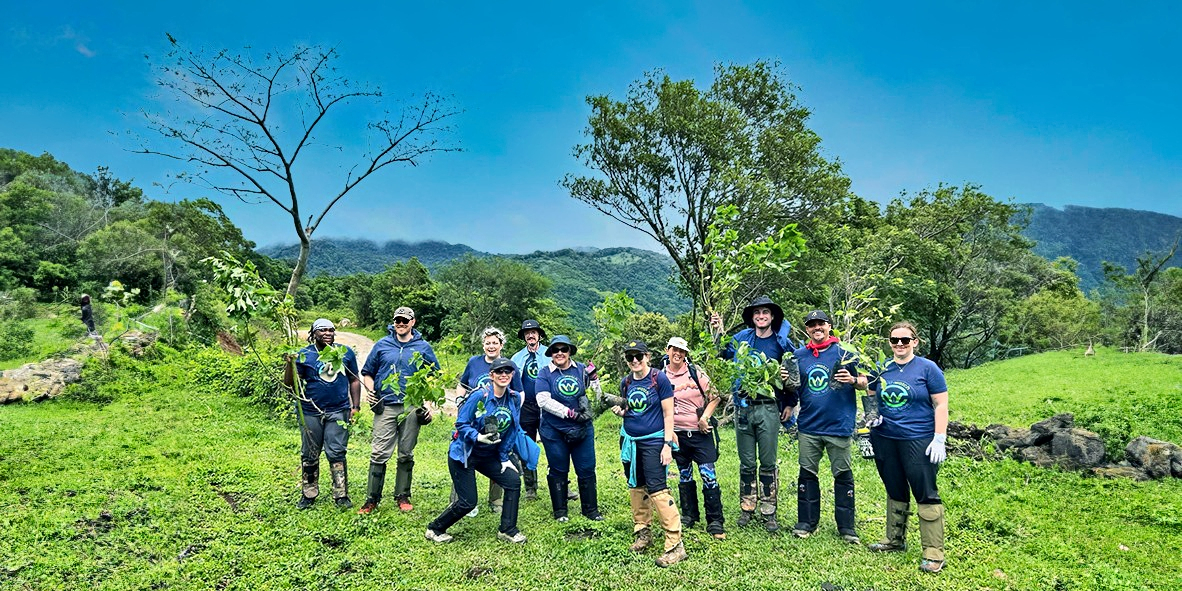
(530, 359)
(329, 398)
(758, 417)
(694, 401)
(393, 355)
(828, 407)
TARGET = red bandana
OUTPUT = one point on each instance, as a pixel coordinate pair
(817, 348)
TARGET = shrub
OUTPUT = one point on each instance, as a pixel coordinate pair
(16, 340)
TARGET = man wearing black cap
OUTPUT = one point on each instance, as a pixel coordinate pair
(531, 359)
(757, 418)
(826, 423)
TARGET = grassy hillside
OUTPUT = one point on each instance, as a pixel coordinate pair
(1091, 235)
(345, 256)
(178, 484)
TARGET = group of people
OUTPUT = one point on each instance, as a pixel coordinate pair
(541, 394)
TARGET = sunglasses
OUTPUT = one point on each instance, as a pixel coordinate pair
(815, 323)
(630, 357)
(561, 349)
(401, 321)
(901, 340)
(504, 371)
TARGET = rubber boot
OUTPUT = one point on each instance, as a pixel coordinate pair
(309, 485)
(590, 498)
(896, 527)
(931, 537)
(808, 504)
(557, 486)
(402, 477)
(530, 479)
(712, 499)
(688, 493)
(340, 484)
(373, 488)
(843, 507)
(671, 522)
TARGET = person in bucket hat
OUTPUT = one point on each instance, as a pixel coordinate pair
(530, 359)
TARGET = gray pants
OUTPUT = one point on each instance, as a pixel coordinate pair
(327, 432)
(813, 446)
(757, 433)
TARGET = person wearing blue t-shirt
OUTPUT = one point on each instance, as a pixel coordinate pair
(909, 440)
(329, 399)
(476, 376)
(568, 435)
(825, 423)
(530, 360)
(486, 430)
(758, 418)
(647, 440)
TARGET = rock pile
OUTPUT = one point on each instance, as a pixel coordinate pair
(1058, 442)
(34, 382)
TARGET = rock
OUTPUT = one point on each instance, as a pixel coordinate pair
(1037, 455)
(1042, 431)
(1120, 472)
(1077, 449)
(136, 342)
(39, 381)
(999, 431)
(1156, 458)
(958, 430)
(1016, 439)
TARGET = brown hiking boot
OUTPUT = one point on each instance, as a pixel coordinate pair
(368, 507)
(642, 539)
(672, 556)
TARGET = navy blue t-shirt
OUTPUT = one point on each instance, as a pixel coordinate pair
(326, 387)
(827, 407)
(770, 347)
(500, 409)
(476, 375)
(644, 415)
(565, 386)
(905, 398)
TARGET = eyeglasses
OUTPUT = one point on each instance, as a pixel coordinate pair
(560, 349)
(504, 371)
(401, 321)
(630, 357)
(902, 340)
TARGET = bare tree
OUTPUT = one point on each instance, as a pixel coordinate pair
(242, 122)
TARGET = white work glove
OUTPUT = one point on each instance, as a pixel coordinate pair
(597, 388)
(936, 452)
(876, 422)
(487, 438)
(507, 465)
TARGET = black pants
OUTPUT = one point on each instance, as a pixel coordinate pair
(905, 469)
(650, 472)
(464, 481)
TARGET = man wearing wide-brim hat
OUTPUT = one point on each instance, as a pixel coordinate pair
(757, 418)
(531, 359)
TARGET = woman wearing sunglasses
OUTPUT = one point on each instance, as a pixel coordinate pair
(909, 438)
(568, 435)
(486, 431)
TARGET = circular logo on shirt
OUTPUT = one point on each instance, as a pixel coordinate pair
(895, 395)
(638, 399)
(326, 371)
(483, 381)
(818, 379)
(504, 419)
(568, 386)
(531, 369)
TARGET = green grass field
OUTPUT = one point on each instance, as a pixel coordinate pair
(178, 485)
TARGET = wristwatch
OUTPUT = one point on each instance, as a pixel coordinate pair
(669, 442)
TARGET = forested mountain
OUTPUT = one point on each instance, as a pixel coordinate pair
(582, 277)
(1091, 235)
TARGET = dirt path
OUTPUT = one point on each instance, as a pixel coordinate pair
(360, 344)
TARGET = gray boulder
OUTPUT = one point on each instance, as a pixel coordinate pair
(1077, 449)
(39, 381)
(1120, 471)
(1037, 455)
(1156, 458)
(1043, 431)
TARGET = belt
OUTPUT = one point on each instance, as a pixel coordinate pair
(761, 400)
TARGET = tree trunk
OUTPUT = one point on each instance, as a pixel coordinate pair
(301, 264)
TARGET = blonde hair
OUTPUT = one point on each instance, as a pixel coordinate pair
(908, 326)
(493, 331)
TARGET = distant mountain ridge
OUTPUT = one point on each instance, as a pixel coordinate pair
(582, 277)
(1091, 235)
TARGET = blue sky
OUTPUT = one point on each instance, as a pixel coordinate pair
(1064, 103)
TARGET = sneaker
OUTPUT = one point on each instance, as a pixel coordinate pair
(887, 546)
(931, 566)
(368, 507)
(438, 538)
(594, 515)
(496, 509)
(305, 502)
(687, 522)
(745, 518)
(801, 531)
(770, 524)
(517, 538)
(474, 512)
(404, 505)
(343, 502)
(562, 519)
(531, 494)
(714, 528)
(851, 538)
(673, 556)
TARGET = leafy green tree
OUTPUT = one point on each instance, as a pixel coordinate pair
(407, 283)
(246, 120)
(669, 154)
(123, 251)
(1142, 284)
(479, 292)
